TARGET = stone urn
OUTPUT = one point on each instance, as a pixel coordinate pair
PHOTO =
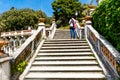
(53, 19)
(91, 6)
(81, 25)
(88, 18)
(2, 43)
(47, 26)
(41, 20)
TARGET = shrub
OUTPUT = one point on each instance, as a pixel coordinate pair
(106, 20)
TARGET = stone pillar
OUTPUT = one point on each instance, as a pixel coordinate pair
(5, 68)
(41, 22)
(87, 23)
(53, 20)
(92, 8)
(88, 20)
(42, 25)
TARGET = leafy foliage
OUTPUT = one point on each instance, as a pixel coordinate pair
(65, 9)
(19, 19)
(21, 66)
(18, 68)
(106, 19)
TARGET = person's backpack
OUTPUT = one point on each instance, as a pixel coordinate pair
(72, 21)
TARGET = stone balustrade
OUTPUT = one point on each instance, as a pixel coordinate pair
(51, 30)
(15, 40)
(17, 33)
(108, 54)
(80, 31)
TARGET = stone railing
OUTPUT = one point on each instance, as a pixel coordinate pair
(51, 30)
(80, 31)
(106, 52)
(17, 33)
(15, 40)
(27, 49)
(29, 45)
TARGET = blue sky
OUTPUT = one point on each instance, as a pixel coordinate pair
(44, 5)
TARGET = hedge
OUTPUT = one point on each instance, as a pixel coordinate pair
(106, 20)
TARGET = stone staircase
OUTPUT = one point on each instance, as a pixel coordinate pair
(65, 59)
(62, 34)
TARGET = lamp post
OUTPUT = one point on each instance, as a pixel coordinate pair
(76, 13)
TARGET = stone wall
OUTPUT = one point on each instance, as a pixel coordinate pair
(5, 68)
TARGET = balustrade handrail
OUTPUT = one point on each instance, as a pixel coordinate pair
(51, 30)
(13, 33)
(107, 44)
(79, 30)
(110, 56)
(5, 59)
(29, 45)
(52, 26)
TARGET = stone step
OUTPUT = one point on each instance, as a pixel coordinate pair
(74, 44)
(65, 69)
(65, 76)
(65, 79)
(64, 42)
(66, 47)
(60, 34)
(57, 31)
(64, 58)
(67, 54)
(64, 63)
(65, 50)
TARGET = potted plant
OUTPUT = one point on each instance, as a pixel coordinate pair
(81, 25)
(88, 18)
(42, 20)
(47, 25)
(91, 6)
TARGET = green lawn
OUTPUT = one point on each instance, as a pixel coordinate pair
(64, 27)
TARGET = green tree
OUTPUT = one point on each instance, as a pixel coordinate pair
(106, 19)
(65, 9)
(20, 19)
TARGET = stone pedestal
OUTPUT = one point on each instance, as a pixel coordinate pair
(47, 26)
(41, 22)
(88, 20)
(53, 20)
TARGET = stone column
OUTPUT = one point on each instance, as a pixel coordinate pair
(87, 23)
(88, 20)
(41, 24)
(92, 8)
